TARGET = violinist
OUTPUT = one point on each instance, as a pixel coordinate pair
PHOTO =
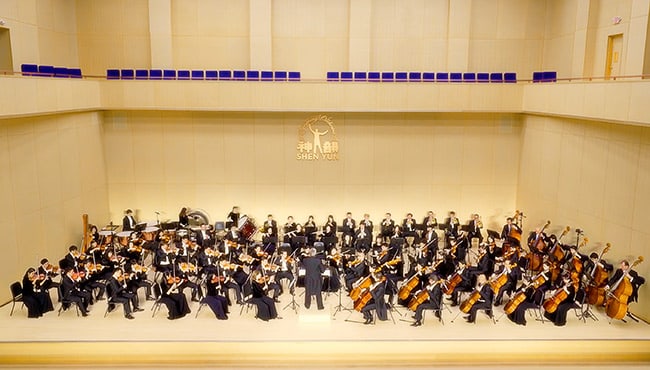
(164, 257)
(48, 271)
(73, 258)
(266, 309)
(226, 270)
(72, 292)
(233, 218)
(313, 279)
(204, 237)
(35, 297)
(285, 270)
(377, 301)
(206, 259)
(214, 296)
(484, 301)
(172, 297)
(233, 236)
(433, 302)
(185, 270)
(138, 279)
(117, 293)
(268, 270)
(387, 227)
(563, 298)
(335, 262)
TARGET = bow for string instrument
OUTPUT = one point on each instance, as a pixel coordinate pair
(598, 279)
(619, 294)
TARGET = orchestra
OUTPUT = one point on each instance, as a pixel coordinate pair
(376, 269)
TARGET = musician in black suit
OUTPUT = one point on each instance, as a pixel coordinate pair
(430, 241)
(172, 297)
(508, 228)
(183, 218)
(204, 236)
(485, 300)
(72, 259)
(474, 227)
(47, 270)
(377, 303)
(117, 293)
(35, 297)
(233, 218)
(355, 270)
(465, 284)
(289, 229)
(408, 225)
(430, 220)
(215, 296)
(285, 264)
(452, 225)
(313, 279)
(514, 275)
(635, 279)
(71, 291)
(367, 223)
(387, 226)
(348, 226)
(266, 309)
(558, 317)
(363, 238)
(433, 302)
(128, 222)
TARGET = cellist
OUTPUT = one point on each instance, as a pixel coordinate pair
(433, 303)
(377, 302)
(558, 316)
(514, 275)
(484, 301)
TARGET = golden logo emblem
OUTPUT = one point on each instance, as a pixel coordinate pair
(323, 144)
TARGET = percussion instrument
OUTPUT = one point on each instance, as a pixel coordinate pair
(123, 238)
(247, 228)
(149, 234)
(107, 236)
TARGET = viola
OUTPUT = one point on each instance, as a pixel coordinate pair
(173, 280)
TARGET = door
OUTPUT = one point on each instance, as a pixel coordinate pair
(614, 53)
(6, 62)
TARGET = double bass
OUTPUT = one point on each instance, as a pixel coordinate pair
(619, 294)
(598, 279)
(537, 250)
(556, 253)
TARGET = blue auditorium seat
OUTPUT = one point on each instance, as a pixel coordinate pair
(374, 76)
(483, 77)
(469, 77)
(360, 76)
(239, 75)
(332, 76)
(267, 75)
(428, 76)
(47, 71)
(183, 74)
(294, 76)
(225, 75)
(169, 74)
(112, 74)
(346, 76)
(388, 77)
(456, 77)
(538, 76)
(29, 69)
(496, 77)
(155, 74)
(510, 77)
(442, 77)
(127, 74)
(252, 75)
(61, 72)
(197, 74)
(211, 75)
(141, 74)
(74, 72)
(280, 76)
(415, 76)
(401, 76)
(549, 76)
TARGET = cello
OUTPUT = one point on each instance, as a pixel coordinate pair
(421, 296)
(467, 304)
(360, 285)
(366, 295)
(520, 296)
(413, 282)
(598, 276)
(551, 304)
(619, 294)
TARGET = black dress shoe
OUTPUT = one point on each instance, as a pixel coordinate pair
(151, 298)
(417, 323)
(129, 316)
(84, 314)
(138, 309)
(276, 300)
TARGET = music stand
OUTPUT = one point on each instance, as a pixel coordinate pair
(329, 241)
(320, 247)
(285, 247)
(464, 228)
(140, 227)
(300, 241)
(495, 235)
(397, 243)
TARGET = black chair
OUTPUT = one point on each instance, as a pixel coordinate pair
(66, 303)
(538, 301)
(157, 292)
(247, 298)
(16, 295)
(109, 301)
(582, 308)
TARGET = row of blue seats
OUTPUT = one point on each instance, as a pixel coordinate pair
(546, 76)
(49, 71)
(171, 74)
(421, 77)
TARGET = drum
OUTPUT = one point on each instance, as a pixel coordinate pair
(123, 238)
(106, 236)
(149, 234)
(182, 232)
(247, 228)
(301, 278)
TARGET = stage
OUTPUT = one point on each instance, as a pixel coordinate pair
(318, 339)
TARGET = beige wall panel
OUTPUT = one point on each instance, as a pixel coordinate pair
(621, 178)
(46, 145)
(642, 195)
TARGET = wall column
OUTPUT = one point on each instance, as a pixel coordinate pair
(580, 39)
(160, 29)
(459, 32)
(359, 45)
(261, 51)
(636, 62)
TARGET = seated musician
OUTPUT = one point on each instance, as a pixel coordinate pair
(485, 300)
(408, 226)
(464, 286)
(138, 279)
(390, 265)
(285, 270)
(533, 297)
(185, 271)
(474, 227)
(595, 261)
(35, 296)
(362, 238)
(311, 231)
(349, 225)
(387, 227)
(377, 302)
(269, 269)
(484, 265)
(430, 241)
(117, 293)
(73, 258)
(459, 245)
(73, 293)
(635, 279)
(334, 264)
(215, 298)
(430, 220)
(514, 275)
(233, 236)
(172, 297)
(536, 237)
(355, 270)
(297, 239)
(49, 271)
(289, 229)
(558, 317)
(433, 302)
(204, 236)
(266, 309)
(226, 270)
(164, 257)
(452, 225)
(206, 259)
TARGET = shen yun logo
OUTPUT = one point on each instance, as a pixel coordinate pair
(317, 140)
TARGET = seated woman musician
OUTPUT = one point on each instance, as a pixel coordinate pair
(377, 302)
(266, 309)
(35, 297)
(215, 298)
(563, 299)
(172, 297)
(485, 299)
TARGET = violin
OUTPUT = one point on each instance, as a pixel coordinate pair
(173, 280)
(217, 279)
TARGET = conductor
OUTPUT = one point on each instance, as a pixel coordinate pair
(313, 278)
